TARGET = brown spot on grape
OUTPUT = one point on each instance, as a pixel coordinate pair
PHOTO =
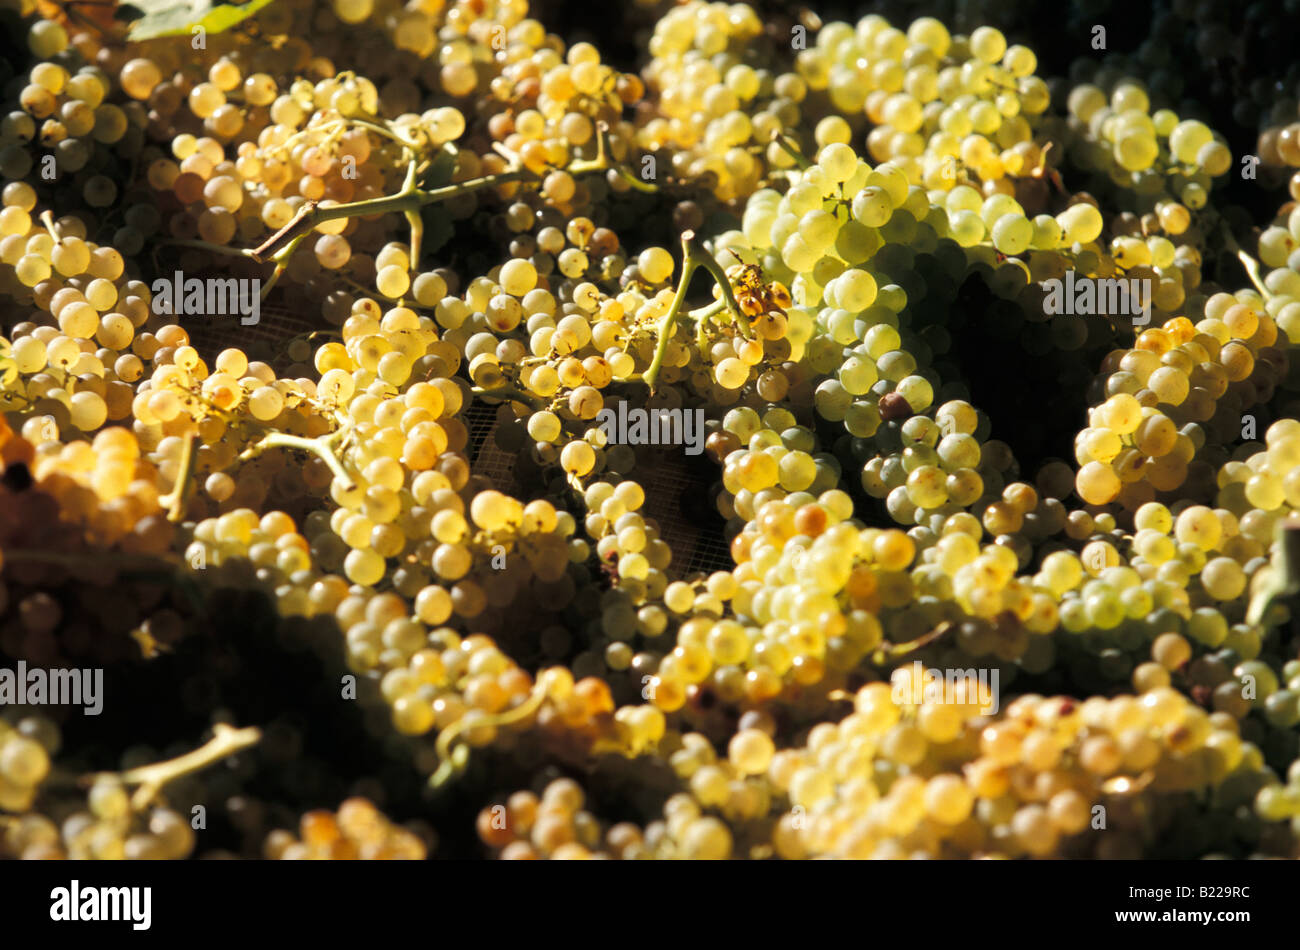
(893, 407)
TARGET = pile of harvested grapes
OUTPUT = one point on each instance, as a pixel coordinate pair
(423, 437)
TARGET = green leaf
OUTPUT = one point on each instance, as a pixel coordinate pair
(438, 229)
(154, 18)
(1284, 580)
(441, 168)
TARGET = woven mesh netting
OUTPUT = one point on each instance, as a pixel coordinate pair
(276, 326)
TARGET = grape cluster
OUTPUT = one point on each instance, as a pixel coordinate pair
(357, 831)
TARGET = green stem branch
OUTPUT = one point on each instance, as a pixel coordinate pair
(1284, 581)
(668, 323)
(151, 778)
(452, 760)
(694, 255)
(174, 501)
(321, 446)
(417, 237)
(411, 198)
(786, 145)
(1252, 270)
(209, 247)
(281, 259)
(710, 264)
(509, 392)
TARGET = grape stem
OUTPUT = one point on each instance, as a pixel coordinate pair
(174, 501)
(412, 215)
(701, 316)
(321, 446)
(509, 392)
(411, 198)
(281, 257)
(707, 311)
(207, 246)
(710, 264)
(1252, 270)
(892, 653)
(1285, 580)
(1249, 263)
(417, 237)
(786, 145)
(509, 154)
(47, 219)
(452, 760)
(668, 323)
(381, 130)
(694, 255)
(328, 131)
(226, 741)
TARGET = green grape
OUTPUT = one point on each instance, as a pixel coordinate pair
(1012, 234)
